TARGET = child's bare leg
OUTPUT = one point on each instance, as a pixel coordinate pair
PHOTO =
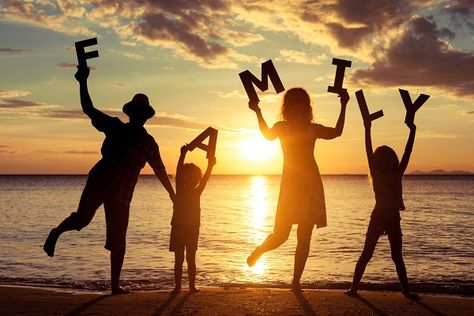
(178, 269)
(371, 240)
(191, 263)
(301, 255)
(397, 257)
(274, 240)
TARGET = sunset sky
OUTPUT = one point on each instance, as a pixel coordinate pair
(186, 56)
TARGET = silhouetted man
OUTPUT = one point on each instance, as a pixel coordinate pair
(125, 150)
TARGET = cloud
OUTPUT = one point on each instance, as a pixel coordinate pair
(300, 57)
(4, 149)
(421, 58)
(469, 112)
(12, 51)
(13, 93)
(14, 103)
(461, 12)
(81, 152)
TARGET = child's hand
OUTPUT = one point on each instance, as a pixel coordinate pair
(184, 149)
(344, 97)
(411, 125)
(212, 161)
(82, 73)
(253, 105)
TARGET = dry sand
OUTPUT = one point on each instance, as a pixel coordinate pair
(227, 301)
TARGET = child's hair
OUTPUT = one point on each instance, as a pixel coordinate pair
(385, 160)
(191, 174)
(296, 106)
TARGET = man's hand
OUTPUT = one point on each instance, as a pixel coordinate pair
(82, 73)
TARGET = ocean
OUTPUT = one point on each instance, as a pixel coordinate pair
(237, 213)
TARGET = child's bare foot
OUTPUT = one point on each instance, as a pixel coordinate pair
(176, 291)
(50, 242)
(254, 256)
(411, 296)
(193, 289)
(120, 290)
(351, 292)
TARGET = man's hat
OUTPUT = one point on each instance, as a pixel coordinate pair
(139, 107)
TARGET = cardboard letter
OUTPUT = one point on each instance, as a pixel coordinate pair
(268, 70)
(412, 107)
(341, 65)
(82, 56)
(210, 148)
(366, 116)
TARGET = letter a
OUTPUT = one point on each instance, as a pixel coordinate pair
(268, 71)
(210, 148)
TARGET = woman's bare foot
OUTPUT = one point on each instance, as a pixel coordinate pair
(120, 290)
(193, 290)
(50, 243)
(351, 292)
(254, 256)
(296, 287)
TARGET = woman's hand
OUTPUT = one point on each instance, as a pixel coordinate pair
(82, 73)
(344, 97)
(253, 105)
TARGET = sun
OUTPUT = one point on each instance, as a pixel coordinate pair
(257, 149)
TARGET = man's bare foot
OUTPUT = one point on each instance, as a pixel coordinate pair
(193, 290)
(254, 256)
(120, 290)
(50, 243)
(176, 291)
(411, 296)
(351, 292)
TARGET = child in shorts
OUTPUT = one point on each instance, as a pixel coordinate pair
(386, 172)
(186, 217)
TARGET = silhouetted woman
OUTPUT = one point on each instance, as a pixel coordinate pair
(301, 199)
(386, 173)
(125, 150)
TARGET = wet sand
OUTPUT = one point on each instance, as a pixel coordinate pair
(226, 301)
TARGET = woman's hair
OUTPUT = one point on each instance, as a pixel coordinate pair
(190, 173)
(296, 106)
(385, 160)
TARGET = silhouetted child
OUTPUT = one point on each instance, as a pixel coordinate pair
(186, 217)
(386, 173)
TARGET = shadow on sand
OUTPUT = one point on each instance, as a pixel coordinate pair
(177, 308)
(78, 310)
(308, 310)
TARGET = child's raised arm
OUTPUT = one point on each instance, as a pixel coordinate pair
(368, 146)
(408, 148)
(179, 166)
(210, 164)
(268, 133)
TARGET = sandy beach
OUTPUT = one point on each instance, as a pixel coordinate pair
(226, 301)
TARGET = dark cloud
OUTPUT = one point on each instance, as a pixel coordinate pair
(461, 12)
(370, 17)
(470, 112)
(12, 51)
(421, 58)
(15, 103)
